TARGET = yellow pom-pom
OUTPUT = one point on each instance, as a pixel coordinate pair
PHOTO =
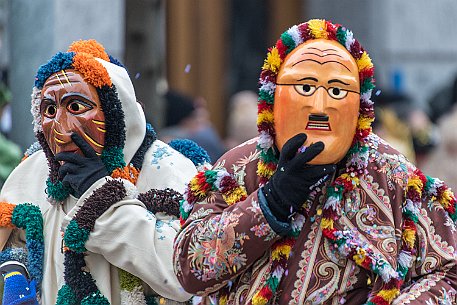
(409, 236)
(359, 257)
(259, 300)
(235, 196)
(446, 198)
(273, 61)
(280, 251)
(265, 116)
(326, 223)
(263, 170)
(389, 295)
(223, 300)
(416, 183)
(364, 62)
(364, 122)
(318, 28)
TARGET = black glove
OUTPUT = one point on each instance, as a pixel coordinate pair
(290, 185)
(79, 172)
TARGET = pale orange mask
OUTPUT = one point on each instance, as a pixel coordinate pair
(69, 104)
(318, 93)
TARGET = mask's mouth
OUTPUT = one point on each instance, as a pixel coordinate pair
(318, 122)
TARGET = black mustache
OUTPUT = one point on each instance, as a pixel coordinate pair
(318, 117)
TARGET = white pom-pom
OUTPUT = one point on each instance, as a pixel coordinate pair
(349, 40)
(295, 34)
(35, 110)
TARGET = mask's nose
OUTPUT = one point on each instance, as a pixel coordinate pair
(320, 101)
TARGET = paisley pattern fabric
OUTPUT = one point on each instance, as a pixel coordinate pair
(226, 248)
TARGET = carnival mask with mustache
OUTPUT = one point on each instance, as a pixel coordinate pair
(318, 93)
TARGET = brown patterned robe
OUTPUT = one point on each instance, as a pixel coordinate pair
(230, 245)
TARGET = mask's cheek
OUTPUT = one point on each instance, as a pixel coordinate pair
(48, 135)
(290, 115)
(92, 130)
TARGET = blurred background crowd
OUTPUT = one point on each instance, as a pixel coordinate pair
(195, 65)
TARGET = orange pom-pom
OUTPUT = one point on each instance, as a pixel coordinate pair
(129, 173)
(93, 71)
(91, 47)
(6, 212)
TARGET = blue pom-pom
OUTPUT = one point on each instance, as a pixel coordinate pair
(116, 62)
(191, 150)
(60, 61)
(35, 258)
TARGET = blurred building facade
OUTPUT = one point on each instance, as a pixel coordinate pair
(212, 49)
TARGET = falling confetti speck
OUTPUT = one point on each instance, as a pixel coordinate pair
(286, 272)
(378, 92)
(137, 76)
(162, 301)
(187, 68)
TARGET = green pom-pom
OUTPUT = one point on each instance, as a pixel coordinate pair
(341, 36)
(128, 281)
(428, 183)
(367, 85)
(288, 41)
(273, 282)
(411, 216)
(269, 156)
(266, 96)
(184, 214)
(211, 177)
(28, 216)
(95, 298)
(113, 158)
(57, 191)
(65, 296)
(75, 237)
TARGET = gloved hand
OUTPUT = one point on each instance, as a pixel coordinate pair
(293, 181)
(79, 172)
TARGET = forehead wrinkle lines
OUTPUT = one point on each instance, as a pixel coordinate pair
(321, 63)
(322, 50)
(322, 55)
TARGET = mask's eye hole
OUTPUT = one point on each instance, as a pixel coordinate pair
(305, 89)
(50, 111)
(78, 107)
(337, 93)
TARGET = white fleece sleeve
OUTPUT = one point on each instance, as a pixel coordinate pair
(133, 239)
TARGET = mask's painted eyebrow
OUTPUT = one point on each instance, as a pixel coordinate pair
(46, 96)
(66, 95)
(308, 78)
(337, 81)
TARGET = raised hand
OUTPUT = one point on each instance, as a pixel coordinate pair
(291, 184)
(80, 172)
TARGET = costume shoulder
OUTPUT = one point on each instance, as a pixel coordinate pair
(27, 182)
(385, 162)
(241, 161)
(164, 167)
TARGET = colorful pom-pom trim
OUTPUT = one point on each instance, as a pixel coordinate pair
(207, 181)
(27, 217)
